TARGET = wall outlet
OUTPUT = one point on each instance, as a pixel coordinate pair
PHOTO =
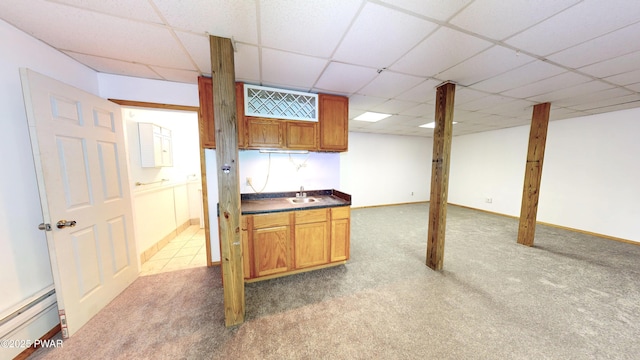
(412, 193)
(488, 200)
(249, 181)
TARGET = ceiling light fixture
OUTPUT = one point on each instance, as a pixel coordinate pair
(372, 116)
(432, 125)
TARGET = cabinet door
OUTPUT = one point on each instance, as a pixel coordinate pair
(205, 115)
(311, 245)
(334, 122)
(301, 135)
(340, 233)
(264, 133)
(271, 250)
(242, 126)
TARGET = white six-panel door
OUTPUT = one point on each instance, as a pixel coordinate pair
(80, 161)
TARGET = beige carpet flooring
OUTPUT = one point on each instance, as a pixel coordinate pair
(572, 296)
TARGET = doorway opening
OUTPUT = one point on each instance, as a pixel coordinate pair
(164, 164)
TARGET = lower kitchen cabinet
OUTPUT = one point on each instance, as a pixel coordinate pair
(278, 244)
(340, 233)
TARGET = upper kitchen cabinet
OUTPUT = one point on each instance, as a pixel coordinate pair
(334, 122)
(271, 118)
(206, 118)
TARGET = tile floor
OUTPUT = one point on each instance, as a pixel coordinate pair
(186, 250)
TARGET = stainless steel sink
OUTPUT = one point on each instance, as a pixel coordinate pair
(302, 200)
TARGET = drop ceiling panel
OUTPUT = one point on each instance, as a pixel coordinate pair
(611, 45)
(230, 19)
(312, 28)
(113, 66)
(515, 108)
(423, 92)
(532, 72)
(551, 84)
(632, 100)
(424, 110)
(499, 19)
(634, 87)
(584, 21)
(136, 9)
(571, 92)
(484, 102)
(185, 76)
(435, 9)
(615, 66)
(633, 103)
(197, 47)
(491, 62)
(590, 97)
(344, 78)
(627, 78)
(394, 106)
(300, 71)
(388, 84)
(379, 36)
(364, 102)
(465, 95)
(440, 51)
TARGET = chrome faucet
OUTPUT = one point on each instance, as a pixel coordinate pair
(301, 193)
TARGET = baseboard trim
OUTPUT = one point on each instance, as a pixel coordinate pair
(30, 350)
(153, 249)
(607, 237)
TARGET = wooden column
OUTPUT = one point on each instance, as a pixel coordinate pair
(226, 134)
(442, 133)
(533, 174)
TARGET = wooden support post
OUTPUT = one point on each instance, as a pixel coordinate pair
(442, 133)
(226, 130)
(533, 173)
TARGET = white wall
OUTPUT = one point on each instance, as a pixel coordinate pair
(386, 169)
(590, 174)
(156, 91)
(24, 258)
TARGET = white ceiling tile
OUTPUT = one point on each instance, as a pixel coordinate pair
(198, 48)
(424, 110)
(488, 63)
(307, 27)
(465, 95)
(423, 92)
(389, 84)
(379, 36)
(584, 21)
(131, 9)
(515, 108)
(532, 72)
(615, 66)
(230, 19)
(627, 78)
(440, 51)
(344, 78)
(557, 113)
(629, 105)
(112, 66)
(592, 96)
(499, 19)
(393, 106)
(484, 102)
(634, 99)
(554, 83)
(634, 87)
(364, 102)
(184, 76)
(435, 9)
(247, 63)
(611, 45)
(280, 67)
(570, 92)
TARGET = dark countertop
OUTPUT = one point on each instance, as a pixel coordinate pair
(279, 202)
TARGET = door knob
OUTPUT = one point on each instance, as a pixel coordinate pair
(64, 223)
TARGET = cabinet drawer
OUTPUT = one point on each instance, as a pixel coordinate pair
(262, 221)
(311, 216)
(340, 212)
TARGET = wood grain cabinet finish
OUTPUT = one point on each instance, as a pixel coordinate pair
(271, 244)
(340, 233)
(278, 244)
(206, 121)
(264, 133)
(311, 240)
(334, 122)
(302, 135)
